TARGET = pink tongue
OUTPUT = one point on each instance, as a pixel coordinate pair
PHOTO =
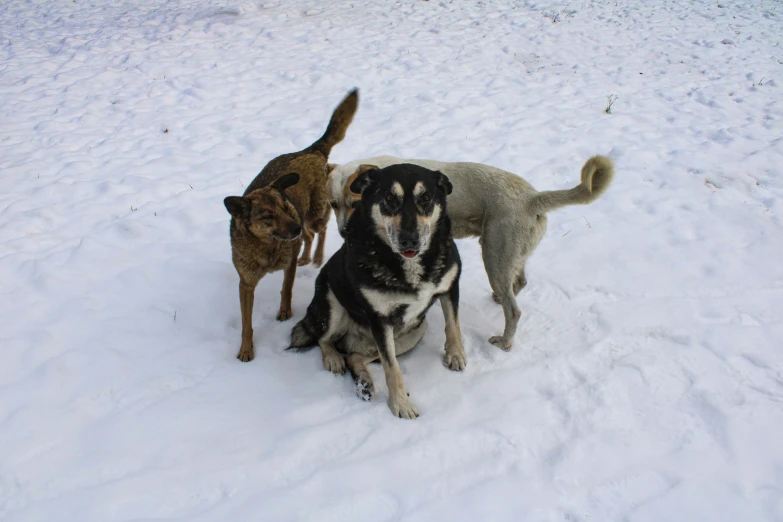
(409, 253)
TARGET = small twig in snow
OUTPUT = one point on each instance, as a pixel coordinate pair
(564, 235)
(588, 223)
(609, 102)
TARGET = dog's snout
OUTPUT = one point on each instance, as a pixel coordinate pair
(408, 241)
(294, 229)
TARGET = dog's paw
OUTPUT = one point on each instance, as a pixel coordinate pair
(246, 354)
(500, 342)
(334, 363)
(401, 407)
(304, 261)
(318, 261)
(284, 315)
(364, 389)
(455, 360)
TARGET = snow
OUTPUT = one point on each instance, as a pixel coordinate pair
(645, 382)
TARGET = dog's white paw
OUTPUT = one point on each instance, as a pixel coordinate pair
(334, 363)
(500, 342)
(401, 407)
(364, 389)
(455, 360)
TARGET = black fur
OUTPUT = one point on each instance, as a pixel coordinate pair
(366, 261)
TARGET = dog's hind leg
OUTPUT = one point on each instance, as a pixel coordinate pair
(320, 227)
(499, 264)
(512, 313)
(308, 235)
(519, 283)
(455, 358)
(318, 260)
(332, 359)
(408, 341)
(286, 293)
(357, 365)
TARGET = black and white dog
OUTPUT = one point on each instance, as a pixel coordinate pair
(372, 296)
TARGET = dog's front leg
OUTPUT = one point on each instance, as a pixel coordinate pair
(455, 358)
(399, 403)
(246, 296)
(287, 292)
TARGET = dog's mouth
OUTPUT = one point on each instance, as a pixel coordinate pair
(409, 253)
(286, 237)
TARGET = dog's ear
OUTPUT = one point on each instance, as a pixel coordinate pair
(364, 178)
(443, 182)
(283, 182)
(238, 206)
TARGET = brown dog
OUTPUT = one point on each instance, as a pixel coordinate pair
(287, 200)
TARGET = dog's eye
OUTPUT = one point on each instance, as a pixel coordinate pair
(355, 204)
(389, 198)
(426, 198)
(267, 217)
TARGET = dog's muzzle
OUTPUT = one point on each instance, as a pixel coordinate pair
(408, 244)
(293, 232)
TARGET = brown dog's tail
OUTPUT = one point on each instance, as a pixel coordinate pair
(341, 119)
(597, 174)
(302, 338)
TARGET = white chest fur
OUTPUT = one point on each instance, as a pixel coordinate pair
(384, 303)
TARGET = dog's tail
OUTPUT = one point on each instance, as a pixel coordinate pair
(597, 174)
(302, 337)
(341, 119)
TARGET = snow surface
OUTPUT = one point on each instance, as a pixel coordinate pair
(645, 383)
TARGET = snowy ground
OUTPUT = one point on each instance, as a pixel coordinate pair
(646, 380)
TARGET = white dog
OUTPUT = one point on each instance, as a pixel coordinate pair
(504, 210)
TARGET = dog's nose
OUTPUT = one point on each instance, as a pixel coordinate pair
(294, 229)
(408, 242)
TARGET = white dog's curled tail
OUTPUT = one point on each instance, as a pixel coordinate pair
(597, 174)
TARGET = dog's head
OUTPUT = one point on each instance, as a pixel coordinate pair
(268, 211)
(342, 199)
(404, 203)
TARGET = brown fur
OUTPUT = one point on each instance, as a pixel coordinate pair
(283, 205)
